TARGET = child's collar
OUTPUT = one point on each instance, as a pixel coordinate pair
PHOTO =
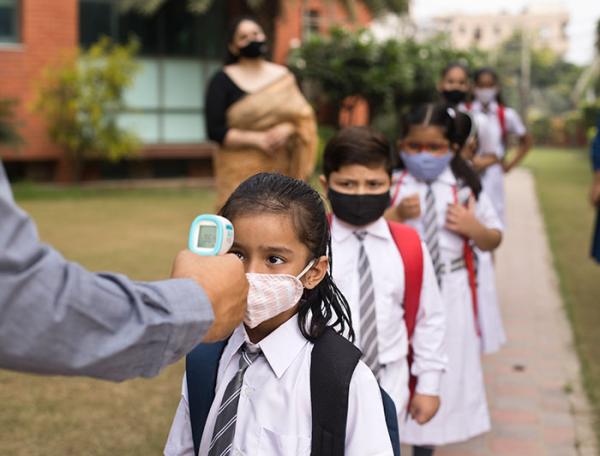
(279, 348)
(344, 230)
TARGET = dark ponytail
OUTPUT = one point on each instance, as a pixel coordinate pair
(278, 194)
(457, 128)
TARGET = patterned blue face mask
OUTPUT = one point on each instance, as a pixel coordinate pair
(425, 166)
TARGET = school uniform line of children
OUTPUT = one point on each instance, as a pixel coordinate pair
(365, 327)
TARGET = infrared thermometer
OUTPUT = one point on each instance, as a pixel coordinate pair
(210, 235)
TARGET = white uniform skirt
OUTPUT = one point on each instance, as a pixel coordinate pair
(463, 413)
(493, 336)
(493, 185)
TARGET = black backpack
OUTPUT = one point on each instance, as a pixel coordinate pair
(333, 361)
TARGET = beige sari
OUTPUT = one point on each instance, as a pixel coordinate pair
(281, 101)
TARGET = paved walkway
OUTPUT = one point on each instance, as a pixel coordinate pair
(533, 384)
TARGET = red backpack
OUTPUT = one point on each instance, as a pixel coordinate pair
(408, 242)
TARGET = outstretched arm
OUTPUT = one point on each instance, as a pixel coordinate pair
(58, 318)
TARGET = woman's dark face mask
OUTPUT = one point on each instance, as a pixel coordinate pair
(358, 210)
(254, 50)
(454, 96)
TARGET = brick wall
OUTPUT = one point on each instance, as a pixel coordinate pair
(289, 24)
(49, 28)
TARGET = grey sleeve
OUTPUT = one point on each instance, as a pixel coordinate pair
(58, 318)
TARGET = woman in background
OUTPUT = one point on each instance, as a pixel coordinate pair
(256, 112)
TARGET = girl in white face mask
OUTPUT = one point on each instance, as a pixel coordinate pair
(503, 123)
(282, 237)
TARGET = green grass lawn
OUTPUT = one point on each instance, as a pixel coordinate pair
(563, 178)
(136, 233)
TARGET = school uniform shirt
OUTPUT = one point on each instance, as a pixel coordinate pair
(274, 411)
(463, 412)
(493, 177)
(387, 270)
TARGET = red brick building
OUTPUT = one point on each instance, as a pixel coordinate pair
(178, 55)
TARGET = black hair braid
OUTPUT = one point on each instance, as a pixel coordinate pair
(323, 306)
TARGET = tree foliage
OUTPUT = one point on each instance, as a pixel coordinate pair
(9, 134)
(389, 75)
(552, 78)
(81, 98)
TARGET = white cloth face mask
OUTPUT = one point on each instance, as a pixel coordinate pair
(271, 294)
(486, 96)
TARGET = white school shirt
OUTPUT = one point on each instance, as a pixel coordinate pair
(274, 411)
(514, 125)
(387, 269)
(485, 134)
(451, 244)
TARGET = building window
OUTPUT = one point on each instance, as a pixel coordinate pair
(477, 35)
(311, 23)
(179, 52)
(9, 21)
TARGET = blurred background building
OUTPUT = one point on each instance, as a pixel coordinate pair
(546, 23)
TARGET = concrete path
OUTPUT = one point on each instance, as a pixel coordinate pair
(533, 384)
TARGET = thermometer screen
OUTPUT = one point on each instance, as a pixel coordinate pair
(207, 237)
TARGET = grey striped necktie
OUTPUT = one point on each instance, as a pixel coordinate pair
(222, 440)
(432, 233)
(368, 320)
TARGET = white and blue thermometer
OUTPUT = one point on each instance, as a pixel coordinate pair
(210, 235)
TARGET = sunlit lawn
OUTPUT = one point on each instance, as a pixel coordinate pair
(139, 232)
(136, 233)
(563, 178)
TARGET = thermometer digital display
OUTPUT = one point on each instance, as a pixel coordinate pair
(210, 235)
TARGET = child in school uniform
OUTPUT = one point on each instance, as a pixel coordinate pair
(503, 121)
(439, 194)
(262, 393)
(370, 271)
(478, 148)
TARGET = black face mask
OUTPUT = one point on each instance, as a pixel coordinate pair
(254, 49)
(454, 96)
(358, 210)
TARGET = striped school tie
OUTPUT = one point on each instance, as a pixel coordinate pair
(222, 441)
(368, 320)
(432, 233)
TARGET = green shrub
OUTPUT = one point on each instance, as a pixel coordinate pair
(81, 98)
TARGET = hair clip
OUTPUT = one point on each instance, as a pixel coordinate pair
(451, 112)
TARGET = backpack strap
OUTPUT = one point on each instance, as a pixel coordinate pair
(201, 367)
(408, 242)
(391, 420)
(397, 188)
(469, 257)
(333, 361)
(502, 121)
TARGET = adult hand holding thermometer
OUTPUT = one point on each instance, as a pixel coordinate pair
(221, 276)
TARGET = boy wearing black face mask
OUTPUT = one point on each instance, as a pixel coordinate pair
(385, 272)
